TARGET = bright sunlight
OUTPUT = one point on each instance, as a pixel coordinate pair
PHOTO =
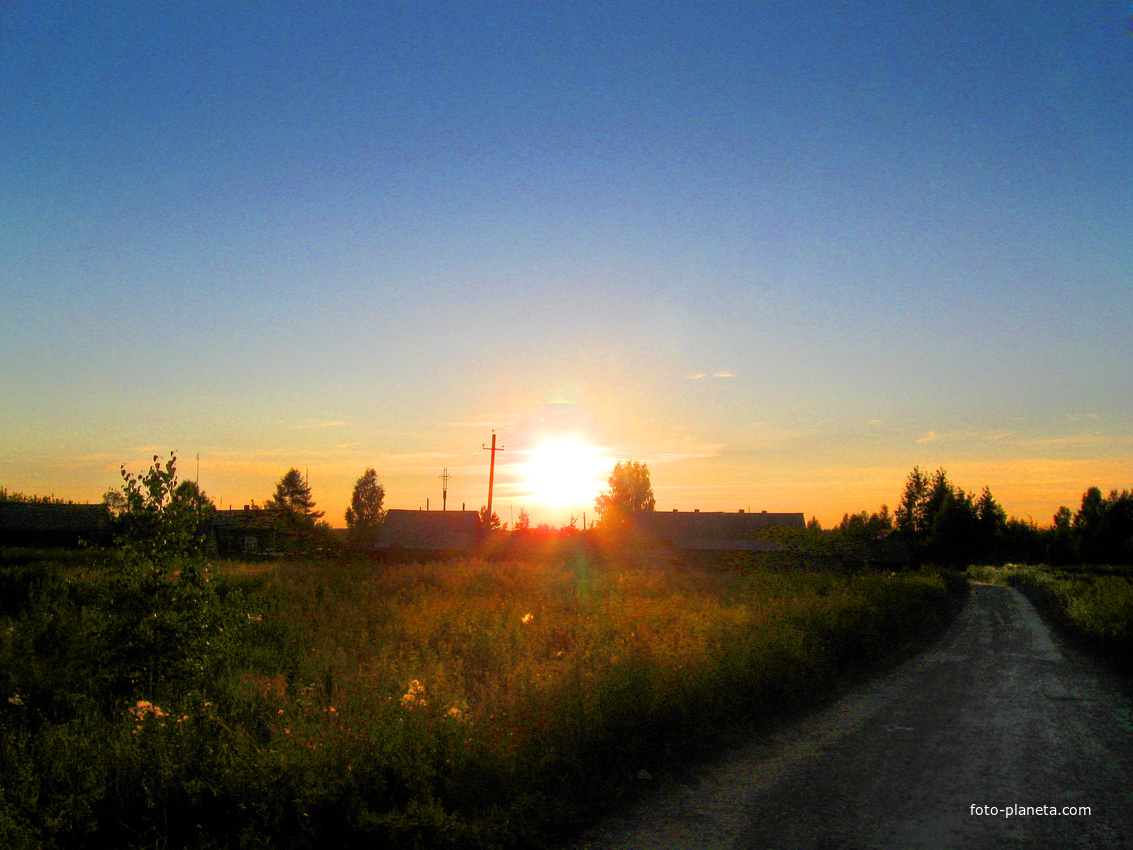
(565, 472)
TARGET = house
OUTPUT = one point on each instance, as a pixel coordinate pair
(717, 530)
(53, 524)
(433, 532)
(254, 531)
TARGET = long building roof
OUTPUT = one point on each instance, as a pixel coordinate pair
(431, 530)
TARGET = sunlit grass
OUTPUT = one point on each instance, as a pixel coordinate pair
(469, 703)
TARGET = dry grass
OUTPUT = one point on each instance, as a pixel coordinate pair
(470, 703)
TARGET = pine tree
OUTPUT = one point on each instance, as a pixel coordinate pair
(293, 494)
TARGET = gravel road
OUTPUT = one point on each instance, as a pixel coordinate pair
(997, 714)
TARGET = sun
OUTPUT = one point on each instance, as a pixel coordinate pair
(564, 472)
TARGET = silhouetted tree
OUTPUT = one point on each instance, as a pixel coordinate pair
(945, 524)
(293, 494)
(630, 493)
(490, 523)
(194, 507)
(114, 502)
(1102, 529)
(365, 514)
(909, 514)
(864, 525)
(954, 525)
(1024, 543)
(1060, 544)
(991, 524)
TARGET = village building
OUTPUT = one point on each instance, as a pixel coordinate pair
(52, 524)
(717, 530)
(429, 532)
(255, 531)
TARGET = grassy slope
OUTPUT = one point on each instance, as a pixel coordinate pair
(468, 704)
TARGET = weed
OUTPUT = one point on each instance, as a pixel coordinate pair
(468, 704)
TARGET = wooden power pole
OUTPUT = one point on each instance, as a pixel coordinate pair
(491, 472)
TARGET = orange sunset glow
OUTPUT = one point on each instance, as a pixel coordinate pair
(780, 253)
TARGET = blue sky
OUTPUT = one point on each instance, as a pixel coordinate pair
(781, 252)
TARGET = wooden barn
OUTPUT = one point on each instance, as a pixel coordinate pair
(429, 532)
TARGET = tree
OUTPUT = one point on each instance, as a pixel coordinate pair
(114, 502)
(365, 514)
(157, 517)
(162, 620)
(293, 494)
(909, 514)
(630, 493)
(863, 526)
(953, 534)
(524, 521)
(489, 522)
(1103, 527)
(1060, 538)
(991, 520)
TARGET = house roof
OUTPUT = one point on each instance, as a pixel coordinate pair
(432, 530)
(253, 519)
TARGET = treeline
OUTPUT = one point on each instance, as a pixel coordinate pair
(944, 524)
(23, 498)
(156, 499)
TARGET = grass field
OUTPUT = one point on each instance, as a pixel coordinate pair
(463, 704)
(1091, 604)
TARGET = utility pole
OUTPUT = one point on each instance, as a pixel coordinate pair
(491, 472)
(444, 490)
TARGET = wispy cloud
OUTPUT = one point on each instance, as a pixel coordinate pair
(317, 424)
(723, 373)
(930, 437)
(996, 436)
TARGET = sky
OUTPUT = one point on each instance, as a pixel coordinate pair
(780, 252)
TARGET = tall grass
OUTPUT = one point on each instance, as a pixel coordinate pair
(1093, 605)
(464, 704)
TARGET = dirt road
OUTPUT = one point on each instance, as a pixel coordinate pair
(997, 714)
